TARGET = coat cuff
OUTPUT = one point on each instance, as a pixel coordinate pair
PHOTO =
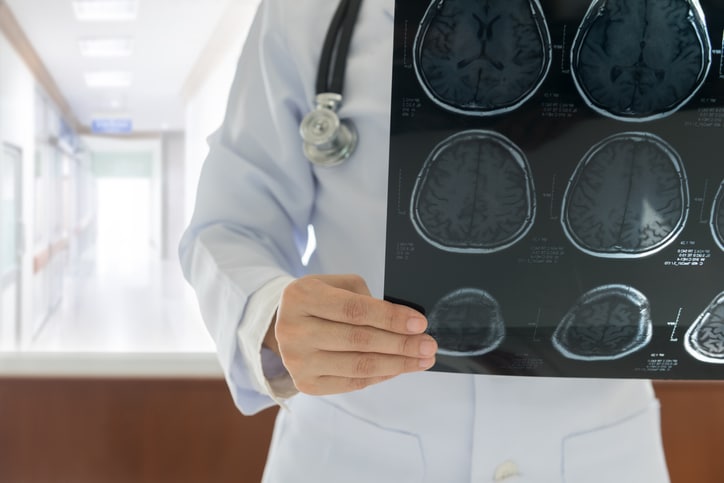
(266, 370)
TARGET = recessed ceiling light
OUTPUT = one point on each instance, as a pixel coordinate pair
(106, 47)
(105, 10)
(108, 79)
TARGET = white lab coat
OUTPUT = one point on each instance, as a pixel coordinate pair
(257, 195)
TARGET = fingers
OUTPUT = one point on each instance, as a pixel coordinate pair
(348, 358)
(337, 385)
(334, 337)
(352, 307)
(367, 369)
(365, 365)
(341, 337)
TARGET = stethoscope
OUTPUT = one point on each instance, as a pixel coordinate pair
(329, 141)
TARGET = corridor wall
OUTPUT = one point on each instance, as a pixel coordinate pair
(17, 97)
(51, 189)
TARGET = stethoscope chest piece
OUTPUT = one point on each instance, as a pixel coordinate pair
(327, 140)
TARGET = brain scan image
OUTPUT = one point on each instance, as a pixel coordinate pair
(638, 60)
(628, 197)
(705, 338)
(717, 217)
(466, 322)
(482, 57)
(607, 323)
(474, 194)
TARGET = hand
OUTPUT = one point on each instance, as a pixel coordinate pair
(334, 337)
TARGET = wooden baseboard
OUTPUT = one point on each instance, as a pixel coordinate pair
(188, 431)
(133, 431)
(692, 417)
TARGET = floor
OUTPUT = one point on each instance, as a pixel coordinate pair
(121, 296)
(142, 306)
(138, 320)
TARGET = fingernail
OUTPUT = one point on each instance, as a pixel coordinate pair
(426, 363)
(416, 324)
(427, 348)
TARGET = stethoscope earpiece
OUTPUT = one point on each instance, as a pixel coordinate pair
(327, 140)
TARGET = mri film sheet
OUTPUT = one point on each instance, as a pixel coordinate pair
(556, 185)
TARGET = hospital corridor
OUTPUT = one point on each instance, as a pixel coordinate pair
(107, 371)
(103, 136)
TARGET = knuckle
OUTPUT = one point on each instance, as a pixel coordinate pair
(282, 328)
(359, 338)
(300, 288)
(365, 366)
(358, 283)
(292, 288)
(391, 318)
(292, 361)
(395, 319)
(286, 332)
(354, 309)
(406, 345)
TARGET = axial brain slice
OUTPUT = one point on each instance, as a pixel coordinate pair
(627, 198)
(705, 338)
(606, 323)
(640, 59)
(482, 57)
(474, 194)
(466, 322)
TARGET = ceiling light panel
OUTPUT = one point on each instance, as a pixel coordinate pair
(105, 10)
(108, 79)
(106, 47)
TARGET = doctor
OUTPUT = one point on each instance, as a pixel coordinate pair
(346, 367)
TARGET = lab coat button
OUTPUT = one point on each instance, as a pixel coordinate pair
(505, 471)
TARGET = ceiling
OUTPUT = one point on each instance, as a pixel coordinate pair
(168, 37)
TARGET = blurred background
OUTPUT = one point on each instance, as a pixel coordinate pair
(107, 373)
(105, 106)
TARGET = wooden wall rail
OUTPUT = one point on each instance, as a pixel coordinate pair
(188, 431)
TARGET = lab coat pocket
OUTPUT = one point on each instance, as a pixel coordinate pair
(626, 451)
(321, 442)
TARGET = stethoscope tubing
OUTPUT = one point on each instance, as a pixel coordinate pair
(327, 140)
(333, 62)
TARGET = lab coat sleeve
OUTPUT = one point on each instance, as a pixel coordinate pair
(254, 198)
